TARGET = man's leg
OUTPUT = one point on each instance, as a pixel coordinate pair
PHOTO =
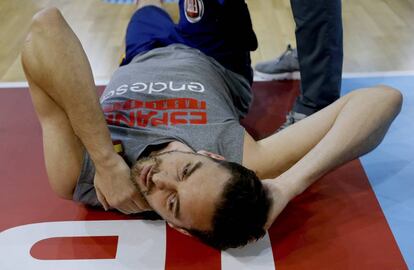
(221, 29)
(320, 52)
(150, 27)
(208, 25)
(143, 3)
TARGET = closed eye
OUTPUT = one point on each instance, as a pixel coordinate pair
(189, 169)
(172, 199)
(185, 171)
(174, 203)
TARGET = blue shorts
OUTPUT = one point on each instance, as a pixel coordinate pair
(224, 32)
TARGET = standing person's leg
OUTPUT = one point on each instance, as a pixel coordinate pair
(320, 52)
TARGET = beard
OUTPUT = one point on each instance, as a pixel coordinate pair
(152, 159)
(139, 166)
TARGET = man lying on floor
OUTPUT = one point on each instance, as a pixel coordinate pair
(175, 106)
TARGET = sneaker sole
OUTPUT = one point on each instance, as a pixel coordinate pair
(259, 76)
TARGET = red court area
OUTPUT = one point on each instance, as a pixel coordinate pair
(336, 224)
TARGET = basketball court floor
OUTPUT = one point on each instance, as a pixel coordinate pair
(360, 216)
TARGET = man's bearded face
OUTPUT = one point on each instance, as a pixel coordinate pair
(183, 188)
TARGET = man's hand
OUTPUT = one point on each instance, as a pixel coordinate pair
(115, 189)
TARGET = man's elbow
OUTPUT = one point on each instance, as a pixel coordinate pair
(44, 26)
(381, 97)
(392, 98)
(46, 23)
(46, 18)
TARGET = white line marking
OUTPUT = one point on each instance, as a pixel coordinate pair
(377, 74)
(13, 85)
(349, 75)
(25, 84)
(257, 256)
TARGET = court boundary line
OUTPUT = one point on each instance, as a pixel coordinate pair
(349, 75)
(379, 74)
(24, 84)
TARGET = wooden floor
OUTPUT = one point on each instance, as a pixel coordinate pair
(378, 34)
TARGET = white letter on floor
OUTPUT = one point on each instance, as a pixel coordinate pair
(254, 256)
(141, 245)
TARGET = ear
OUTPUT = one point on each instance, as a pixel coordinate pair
(181, 230)
(210, 154)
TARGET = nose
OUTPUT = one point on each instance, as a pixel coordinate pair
(163, 180)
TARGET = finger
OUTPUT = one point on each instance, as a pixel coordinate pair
(129, 208)
(124, 209)
(140, 202)
(102, 199)
(123, 212)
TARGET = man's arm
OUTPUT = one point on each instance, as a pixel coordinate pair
(65, 99)
(298, 156)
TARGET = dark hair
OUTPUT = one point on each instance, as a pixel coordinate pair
(241, 214)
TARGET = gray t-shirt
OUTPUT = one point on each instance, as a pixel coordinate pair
(172, 93)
